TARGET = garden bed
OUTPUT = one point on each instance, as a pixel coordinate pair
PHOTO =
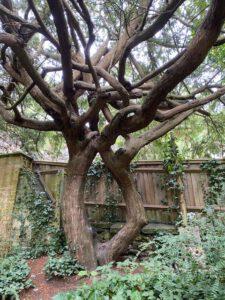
(45, 289)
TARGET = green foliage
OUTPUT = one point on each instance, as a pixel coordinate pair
(216, 178)
(13, 276)
(95, 172)
(217, 55)
(111, 213)
(62, 266)
(33, 206)
(174, 170)
(112, 199)
(196, 137)
(181, 267)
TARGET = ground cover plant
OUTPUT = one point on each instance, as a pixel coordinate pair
(62, 266)
(177, 267)
(14, 273)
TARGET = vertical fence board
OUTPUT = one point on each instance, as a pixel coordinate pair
(189, 185)
(149, 184)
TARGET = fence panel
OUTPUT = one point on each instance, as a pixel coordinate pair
(148, 177)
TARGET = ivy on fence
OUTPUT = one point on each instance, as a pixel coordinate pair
(173, 165)
(35, 213)
(110, 210)
(214, 193)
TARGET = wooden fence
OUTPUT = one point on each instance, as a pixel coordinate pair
(148, 177)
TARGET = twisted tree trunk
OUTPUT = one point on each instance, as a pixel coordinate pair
(135, 220)
(135, 213)
(77, 229)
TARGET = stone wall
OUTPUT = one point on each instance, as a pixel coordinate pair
(10, 166)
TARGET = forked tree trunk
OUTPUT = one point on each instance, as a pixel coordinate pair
(77, 229)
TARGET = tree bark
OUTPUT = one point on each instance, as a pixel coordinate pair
(77, 229)
(78, 232)
(135, 214)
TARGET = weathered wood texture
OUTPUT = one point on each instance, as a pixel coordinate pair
(148, 177)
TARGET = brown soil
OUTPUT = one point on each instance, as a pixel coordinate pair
(45, 289)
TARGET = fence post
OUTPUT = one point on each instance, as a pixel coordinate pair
(182, 205)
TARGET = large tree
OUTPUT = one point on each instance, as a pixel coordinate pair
(91, 69)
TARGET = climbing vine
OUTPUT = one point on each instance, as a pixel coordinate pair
(173, 165)
(110, 211)
(35, 213)
(214, 193)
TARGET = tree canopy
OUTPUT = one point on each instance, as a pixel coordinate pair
(149, 55)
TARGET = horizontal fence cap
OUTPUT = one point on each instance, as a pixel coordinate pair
(140, 163)
(50, 163)
(188, 161)
(18, 153)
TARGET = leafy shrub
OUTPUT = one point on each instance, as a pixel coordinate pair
(13, 276)
(62, 266)
(180, 268)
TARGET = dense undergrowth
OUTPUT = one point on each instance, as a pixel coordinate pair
(14, 273)
(189, 266)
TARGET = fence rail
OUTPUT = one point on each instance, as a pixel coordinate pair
(147, 174)
(148, 178)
